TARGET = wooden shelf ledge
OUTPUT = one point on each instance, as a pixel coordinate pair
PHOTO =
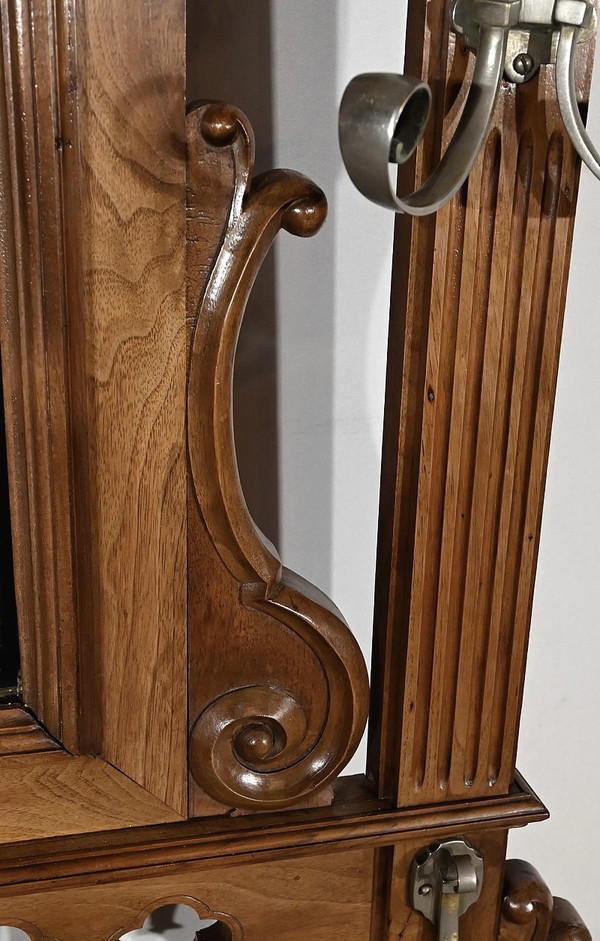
(355, 819)
(55, 794)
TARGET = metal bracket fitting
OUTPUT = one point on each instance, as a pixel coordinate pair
(383, 116)
(446, 879)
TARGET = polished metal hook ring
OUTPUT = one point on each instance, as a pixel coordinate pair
(383, 117)
(567, 98)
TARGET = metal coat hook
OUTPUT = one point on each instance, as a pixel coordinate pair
(383, 116)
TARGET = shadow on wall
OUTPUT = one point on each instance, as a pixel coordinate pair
(228, 56)
(260, 57)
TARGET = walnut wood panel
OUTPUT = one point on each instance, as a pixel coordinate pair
(278, 686)
(21, 734)
(33, 131)
(479, 923)
(129, 372)
(317, 898)
(530, 913)
(477, 313)
(355, 819)
(43, 796)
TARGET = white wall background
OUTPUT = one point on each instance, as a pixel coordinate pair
(560, 742)
(332, 295)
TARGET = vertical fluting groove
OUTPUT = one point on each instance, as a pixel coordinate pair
(548, 284)
(436, 436)
(518, 535)
(426, 546)
(450, 666)
(518, 226)
(462, 507)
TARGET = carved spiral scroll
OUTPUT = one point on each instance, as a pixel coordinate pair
(248, 748)
(529, 910)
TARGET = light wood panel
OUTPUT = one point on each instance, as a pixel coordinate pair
(355, 819)
(47, 795)
(476, 324)
(129, 360)
(318, 898)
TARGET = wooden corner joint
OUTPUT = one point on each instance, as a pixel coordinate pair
(529, 910)
(251, 746)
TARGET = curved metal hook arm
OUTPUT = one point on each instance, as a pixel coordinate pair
(567, 98)
(383, 117)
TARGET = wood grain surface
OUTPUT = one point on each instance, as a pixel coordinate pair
(316, 898)
(43, 796)
(355, 819)
(478, 302)
(35, 367)
(129, 354)
(21, 734)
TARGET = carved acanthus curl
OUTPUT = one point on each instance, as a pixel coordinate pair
(248, 748)
(530, 912)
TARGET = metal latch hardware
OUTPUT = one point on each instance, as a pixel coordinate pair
(383, 116)
(446, 879)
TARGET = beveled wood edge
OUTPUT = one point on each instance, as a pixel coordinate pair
(356, 819)
(22, 734)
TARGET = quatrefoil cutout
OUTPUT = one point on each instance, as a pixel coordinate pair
(182, 919)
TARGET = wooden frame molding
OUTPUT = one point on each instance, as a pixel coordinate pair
(35, 365)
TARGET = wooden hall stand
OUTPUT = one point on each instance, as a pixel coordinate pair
(188, 704)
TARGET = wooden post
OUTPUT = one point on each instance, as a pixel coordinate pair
(477, 307)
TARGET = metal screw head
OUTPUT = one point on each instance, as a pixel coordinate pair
(425, 889)
(523, 63)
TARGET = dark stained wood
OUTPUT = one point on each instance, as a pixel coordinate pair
(530, 913)
(477, 313)
(279, 690)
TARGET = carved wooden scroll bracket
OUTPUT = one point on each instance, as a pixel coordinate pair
(250, 745)
(529, 910)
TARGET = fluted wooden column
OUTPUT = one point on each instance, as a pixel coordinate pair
(477, 309)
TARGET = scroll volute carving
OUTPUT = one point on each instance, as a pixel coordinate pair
(530, 913)
(278, 686)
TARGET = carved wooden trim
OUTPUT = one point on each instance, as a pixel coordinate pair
(35, 120)
(21, 734)
(251, 745)
(529, 910)
(201, 908)
(211, 843)
(477, 309)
